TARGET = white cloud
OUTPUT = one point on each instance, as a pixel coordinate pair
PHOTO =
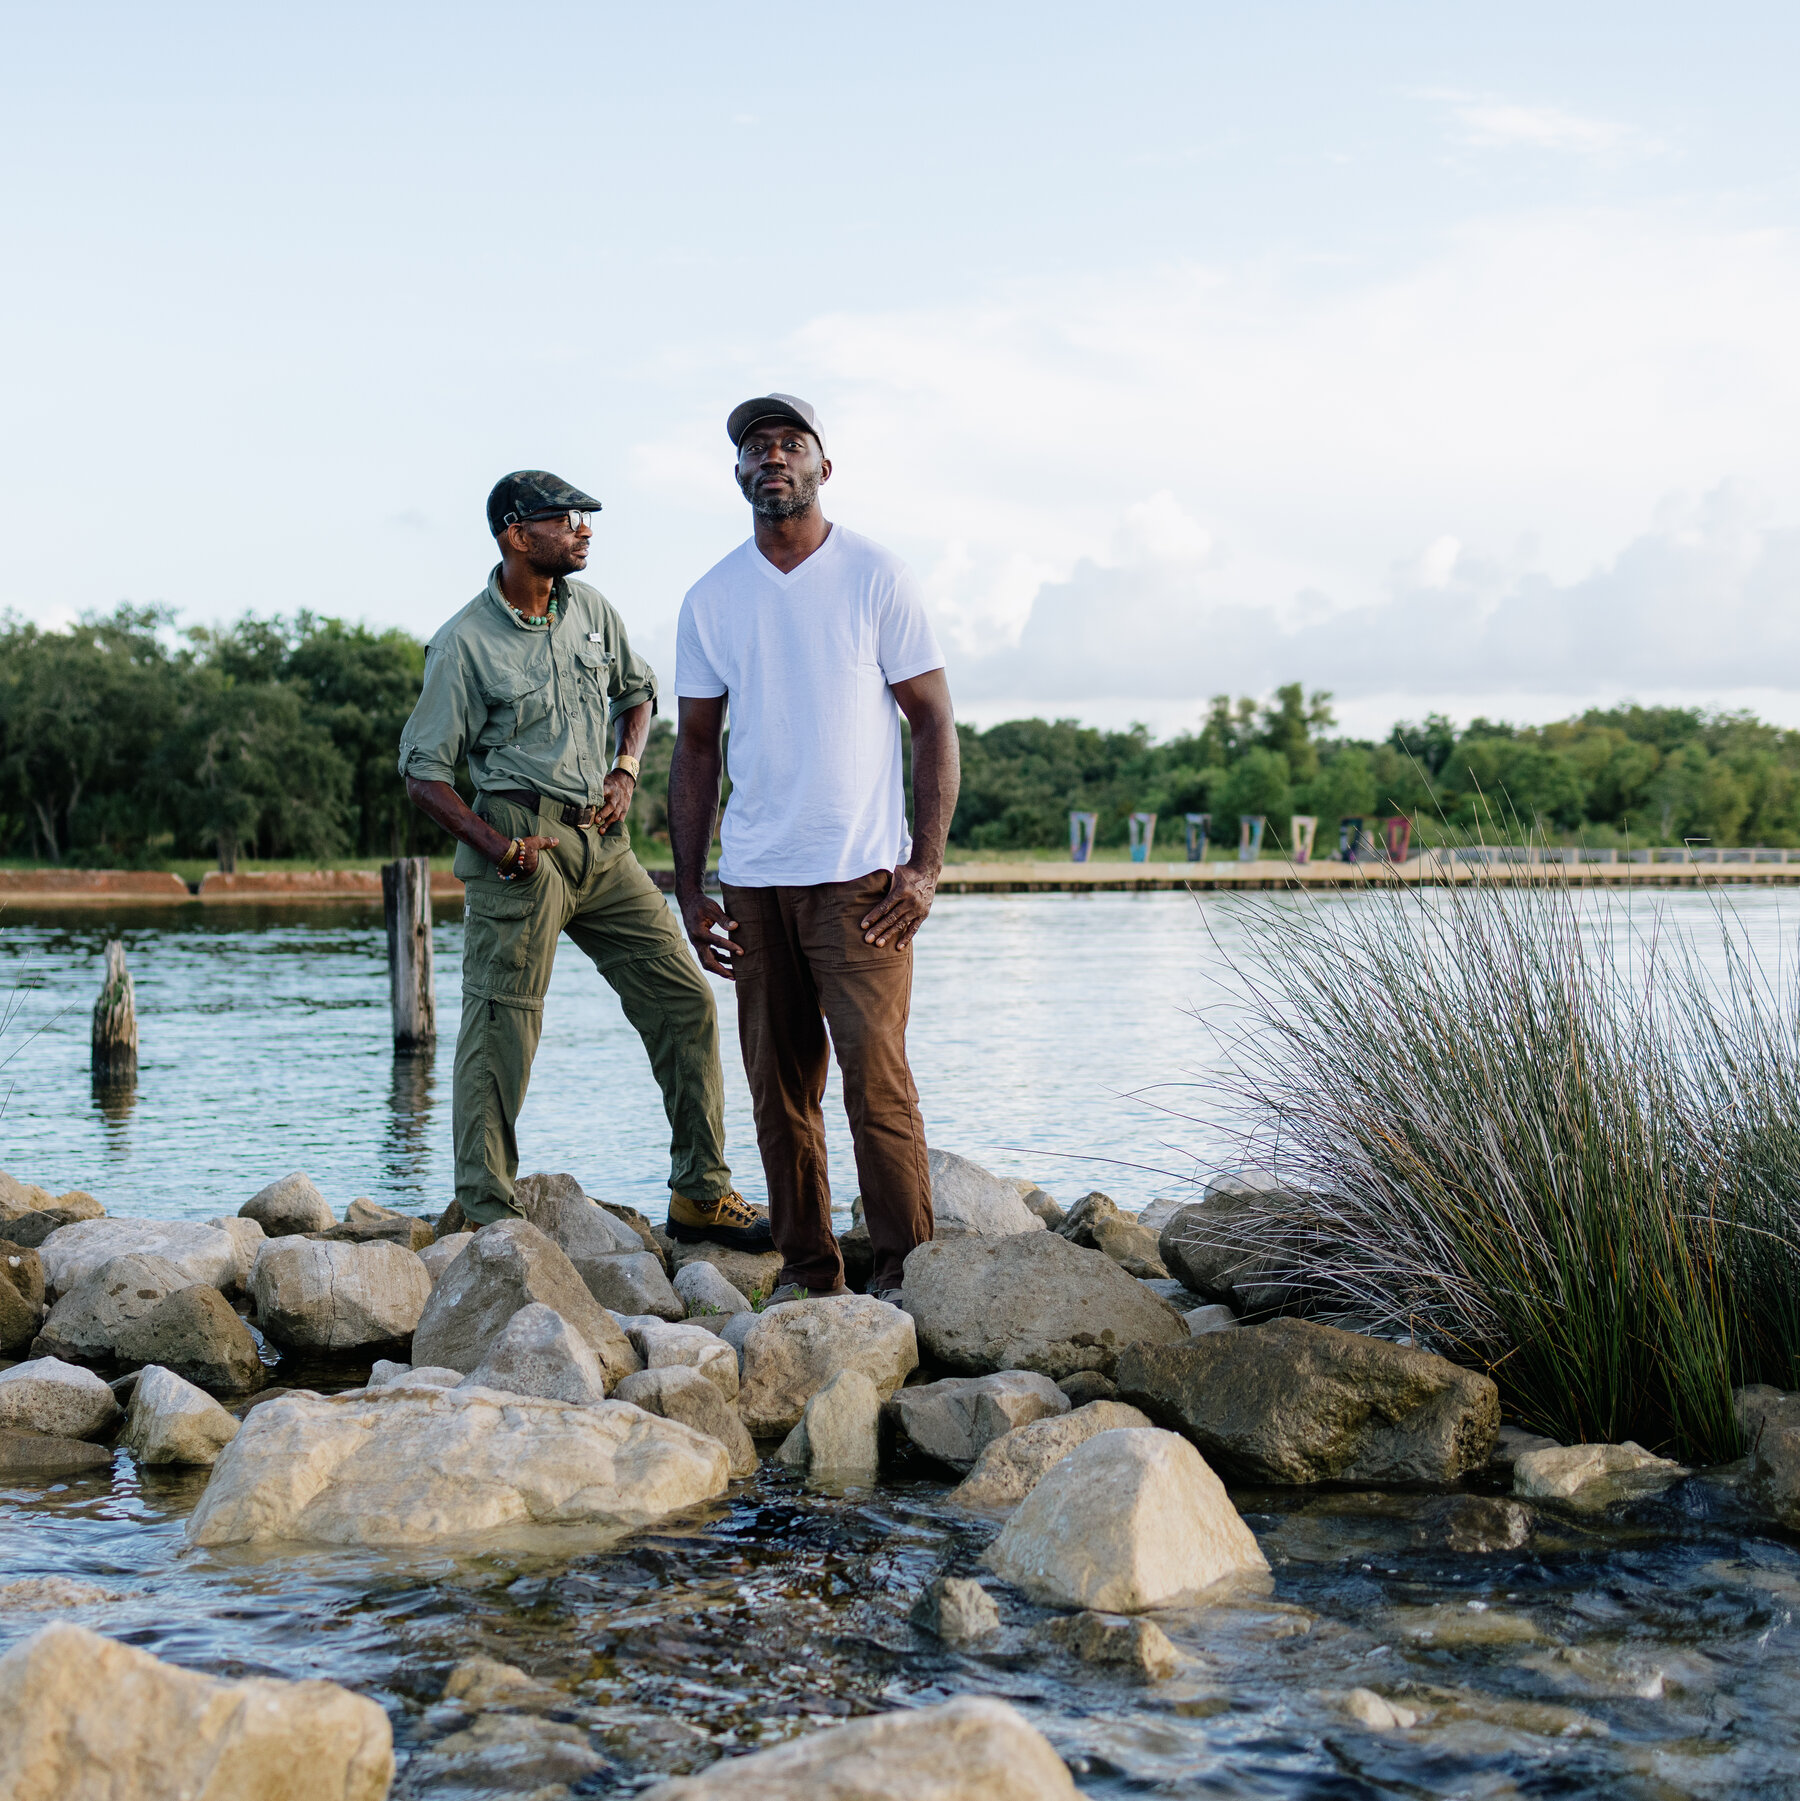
(1490, 124)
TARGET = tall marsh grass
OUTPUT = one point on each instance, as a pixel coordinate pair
(1527, 1127)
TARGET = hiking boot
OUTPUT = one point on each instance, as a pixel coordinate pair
(798, 1291)
(890, 1295)
(728, 1220)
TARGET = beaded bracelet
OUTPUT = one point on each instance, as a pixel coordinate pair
(513, 852)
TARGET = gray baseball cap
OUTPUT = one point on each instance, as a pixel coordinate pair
(773, 406)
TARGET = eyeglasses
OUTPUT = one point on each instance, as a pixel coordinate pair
(577, 521)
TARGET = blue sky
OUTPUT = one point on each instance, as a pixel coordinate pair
(1438, 360)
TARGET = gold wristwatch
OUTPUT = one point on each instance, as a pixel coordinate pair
(628, 764)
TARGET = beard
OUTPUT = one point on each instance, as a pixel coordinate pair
(798, 499)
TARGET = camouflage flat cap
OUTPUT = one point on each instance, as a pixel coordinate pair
(534, 494)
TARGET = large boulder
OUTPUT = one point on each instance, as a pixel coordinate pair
(539, 1353)
(83, 1718)
(197, 1333)
(633, 1283)
(248, 1237)
(1223, 1249)
(705, 1292)
(1126, 1522)
(966, 1199)
(972, 1749)
(202, 1253)
(36, 1457)
(59, 1399)
(1013, 1465)
(94, 1315)
(315, 1294)
(172, 1421)
(621, 1271)
(677, 1392)
(506, 1266)
(956, 1419)
(21, 1297)
(1769, 1419)
(1031, 1301)
(410, 1465)
(1295, 1402)
(442, 1252)
(663, 1346)
(291, 1205)
(796, 1347)
(839, 1435)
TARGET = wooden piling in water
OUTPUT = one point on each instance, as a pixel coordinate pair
(406, 899)
(115, 1020)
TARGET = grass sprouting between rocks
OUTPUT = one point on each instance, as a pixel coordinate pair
(1526, 1127)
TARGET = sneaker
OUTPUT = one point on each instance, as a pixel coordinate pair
(798, 1291)
(728, 1220)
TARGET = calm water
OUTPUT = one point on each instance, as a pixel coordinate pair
(1644, 1657)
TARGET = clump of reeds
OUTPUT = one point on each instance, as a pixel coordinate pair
(1533, 1136)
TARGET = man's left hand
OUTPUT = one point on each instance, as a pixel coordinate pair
(618, 788)
(898, 918)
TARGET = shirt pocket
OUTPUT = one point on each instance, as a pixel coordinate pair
(595, 670)
(518, 707)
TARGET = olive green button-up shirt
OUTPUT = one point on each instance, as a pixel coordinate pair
(530, 709)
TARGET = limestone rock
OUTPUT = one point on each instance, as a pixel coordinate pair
(1128, 1521)
(95, 1314)
(1137, 1646)
(1131, 1246)
(1378, 1713)
(1158, 1214)
(20, 1198)
(650, 1235)
(195, 1332)
(1043, 1205)
(1210, 1318)
(83, 1718)
(56, 1398)
(665, 1346)
(966, 1199)
(796, 1347)
(366, 1223)
(703, 1289)
(631, 1284)
(839, 1434)
(736, 1333)
(30, 1230)
(406, 1466)
(1007, 1471)
(385, 1374)
(539, 1353)
(248, 1238)
(955, 1609)
(1472, 1525)
(35, 1457)
(1084, 1386)
(973, 1749)
(172, 1421)
(202, 1253)
(1770, 1422)
(442, 1252)
(1589, 1476)
(291, 1205)
(956, 1419)
(507, 1266)
(318, 1295)
(1296, 1402)
(1081, 1220)
(1511, 1444)
(752, 1273)
(1033, 1302)
(21, 1298)
(1221, 1247)
(678, 1391)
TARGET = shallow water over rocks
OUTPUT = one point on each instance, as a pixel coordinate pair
(1652, 1652)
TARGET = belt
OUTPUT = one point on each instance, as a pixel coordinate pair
(560, 811)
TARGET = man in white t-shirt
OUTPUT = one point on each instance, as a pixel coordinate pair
(817, 641)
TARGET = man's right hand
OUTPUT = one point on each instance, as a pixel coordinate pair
(528, 854)
(709, 931)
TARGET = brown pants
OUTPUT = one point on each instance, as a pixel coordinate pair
(805, 967)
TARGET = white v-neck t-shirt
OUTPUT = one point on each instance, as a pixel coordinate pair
(804, 661)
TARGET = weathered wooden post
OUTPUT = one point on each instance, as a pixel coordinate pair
(406, 899)
(115, 1021)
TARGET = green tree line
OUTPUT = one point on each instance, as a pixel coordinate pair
(124, 742)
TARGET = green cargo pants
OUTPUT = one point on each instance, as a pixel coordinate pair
(593, 888)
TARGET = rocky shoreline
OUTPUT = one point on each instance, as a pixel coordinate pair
(573, 1378)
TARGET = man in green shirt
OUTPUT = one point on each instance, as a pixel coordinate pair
(527, 681)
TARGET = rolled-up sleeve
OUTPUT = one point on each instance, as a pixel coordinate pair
(633, 680)
(444, 724)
